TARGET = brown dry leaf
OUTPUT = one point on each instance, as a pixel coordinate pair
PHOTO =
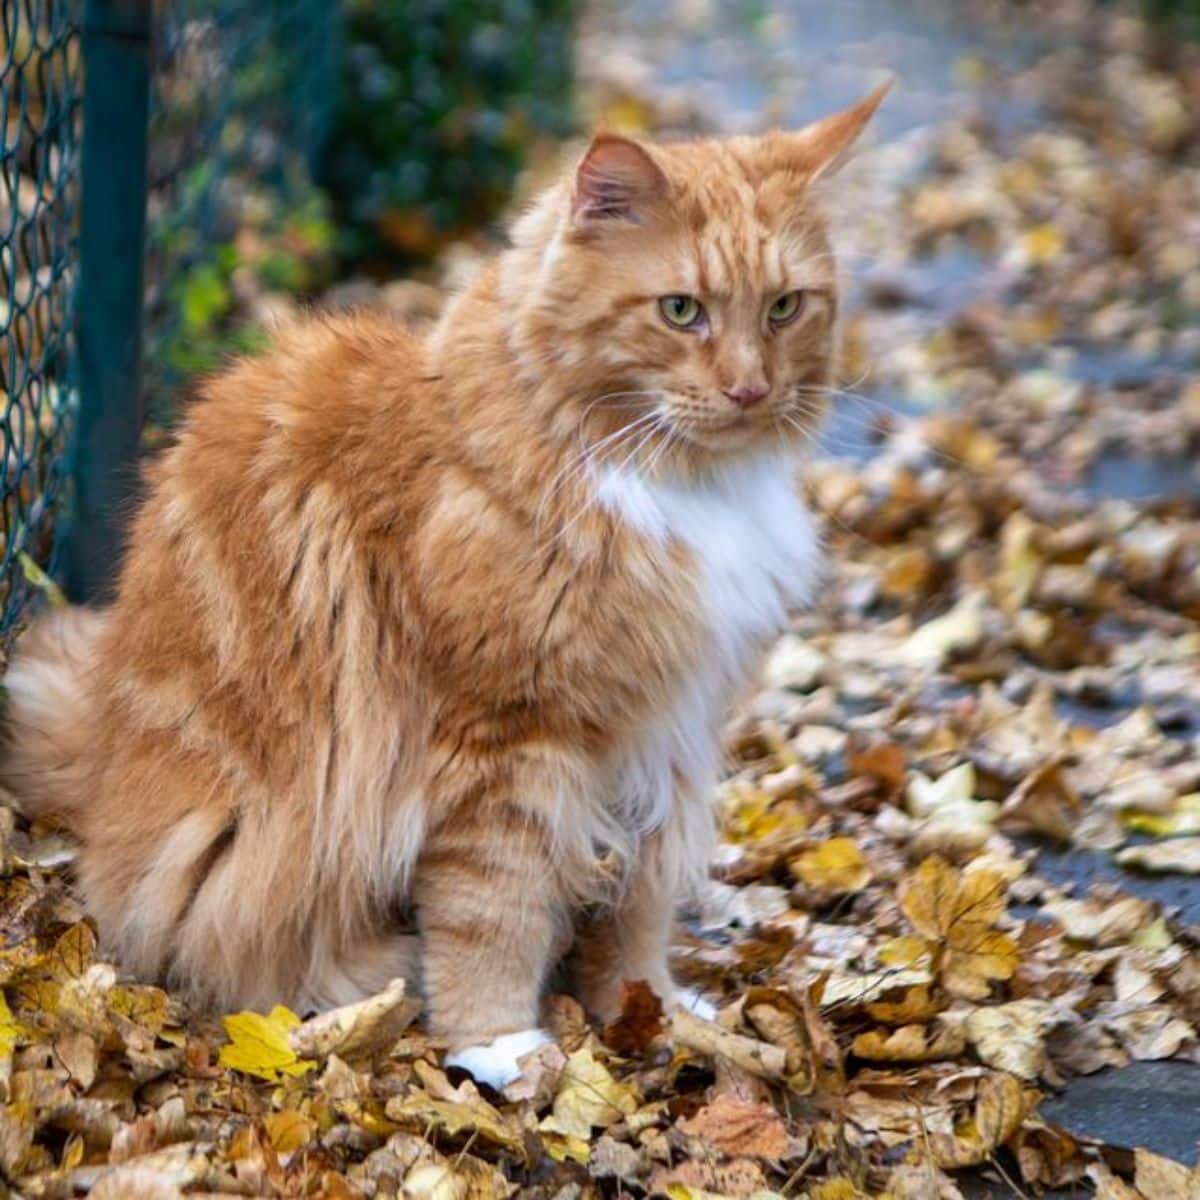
(640, 1022)
(1044, 803)
(1000, 1106)
(1010, 1036)
(884, 762)
(910, 1043)
(356, 1029)
(468, 1114)
(1159, 1178)
(739, 1128)
(738, 1179)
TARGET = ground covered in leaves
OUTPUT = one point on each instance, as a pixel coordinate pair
(1003, 672)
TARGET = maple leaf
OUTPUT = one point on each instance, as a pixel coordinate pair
(956, 914)
(259, 1045)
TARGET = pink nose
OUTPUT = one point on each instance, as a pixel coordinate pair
(749, 394)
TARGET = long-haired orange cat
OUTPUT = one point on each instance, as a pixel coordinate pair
(445, 631)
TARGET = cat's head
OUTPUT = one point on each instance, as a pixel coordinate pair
(684, 293)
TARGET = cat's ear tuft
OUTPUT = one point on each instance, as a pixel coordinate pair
(821, 148)
(828, 142)
(616, 180)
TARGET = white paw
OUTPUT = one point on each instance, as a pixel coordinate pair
(496, 1063)
(696, 1004)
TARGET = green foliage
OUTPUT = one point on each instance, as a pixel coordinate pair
(441, 101)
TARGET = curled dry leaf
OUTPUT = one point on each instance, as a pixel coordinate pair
(356, 1029)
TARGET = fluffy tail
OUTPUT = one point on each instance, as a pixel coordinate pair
(46, 728)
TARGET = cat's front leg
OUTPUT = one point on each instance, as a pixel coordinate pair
(491, 913)
(630, 941)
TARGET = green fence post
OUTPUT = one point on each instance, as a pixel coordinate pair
(116, 99)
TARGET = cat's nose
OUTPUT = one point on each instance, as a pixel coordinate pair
(748, 394)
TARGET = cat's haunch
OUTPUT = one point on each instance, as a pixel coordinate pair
(446, 631)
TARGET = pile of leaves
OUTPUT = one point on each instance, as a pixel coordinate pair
(1001, 678)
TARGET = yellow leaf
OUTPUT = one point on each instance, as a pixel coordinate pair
(40, 580)
(588, 1097)
(1043, 243)
(967, 969)
(934, 642)
(10, 1030)
(1000, 1107)
(835, 865)
(1009, 1036)
(258, 1045)
(909, 1043)
(472, 1115)
(904, 951)
(1183, 817)
(958, 912)
(289, 1130)
(561, 1147)
(835, 1189)
(627, 115)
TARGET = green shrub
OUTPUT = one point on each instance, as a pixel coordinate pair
(440, 102)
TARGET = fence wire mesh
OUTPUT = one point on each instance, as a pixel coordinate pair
(242, 96)
(39, 191)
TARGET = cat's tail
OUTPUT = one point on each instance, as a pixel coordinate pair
(46, 727)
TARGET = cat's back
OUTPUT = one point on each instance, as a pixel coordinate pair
(334, 395)
(251, 559)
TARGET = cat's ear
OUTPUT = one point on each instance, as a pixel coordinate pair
(821, 148)
(616, 180)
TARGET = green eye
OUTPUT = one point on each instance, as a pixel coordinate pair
(681, 311)
(786, 308)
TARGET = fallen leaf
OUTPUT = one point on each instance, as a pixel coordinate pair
(640, 1022)
(1010, 1036)
(588, 1098)
(359, 1028)
(1176, 856)
(259, 1045)
(739, 1128)
(836, 865)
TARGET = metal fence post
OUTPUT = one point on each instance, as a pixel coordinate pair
(116, 53)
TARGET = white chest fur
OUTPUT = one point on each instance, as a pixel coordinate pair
(755, 550)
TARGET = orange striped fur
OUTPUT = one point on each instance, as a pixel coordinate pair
(420, 650)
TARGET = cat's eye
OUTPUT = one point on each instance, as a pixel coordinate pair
(786, 309)
(683, 312)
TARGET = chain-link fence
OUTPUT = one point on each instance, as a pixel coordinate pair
(193, 112)
(39, 194)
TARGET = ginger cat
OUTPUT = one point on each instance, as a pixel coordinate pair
(445, 632)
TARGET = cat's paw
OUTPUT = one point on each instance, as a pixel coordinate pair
(695, 1003)
(496, 1062)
